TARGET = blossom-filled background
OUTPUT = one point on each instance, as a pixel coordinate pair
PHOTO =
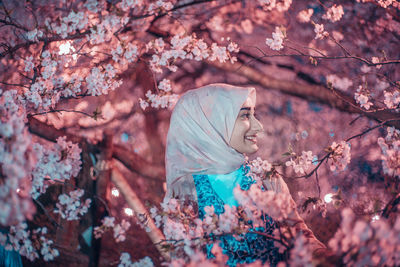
(86, 93)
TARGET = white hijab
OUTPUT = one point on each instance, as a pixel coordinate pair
(198, 138)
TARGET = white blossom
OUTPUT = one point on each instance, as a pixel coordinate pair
(276, 43)
(301, 163)
(339, 83)
(362, 98)
(70, 207)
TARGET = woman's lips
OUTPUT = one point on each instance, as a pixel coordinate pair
(251, 138)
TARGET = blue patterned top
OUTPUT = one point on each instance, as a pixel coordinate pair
(217, 190)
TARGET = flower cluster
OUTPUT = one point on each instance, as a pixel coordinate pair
(160, 6)
(158, 101)
(340, 155)
(125, 53)
(362, 98)
(48, 88)
(360, 243)
(255, 200)
(390, 146)
(47, 251)
(334, 13)
(125, 261)
(33, 35)
(70, 207)
(339, 83)
(59, 162)
(103, 31)
(301, 163)
(320, 32)
(126, 5)
(301, 254)
(102, 81)
(186, 232)
(259, 166)
(165, 85)
(277, 39)
(188, 47)
(69, 24)
(16, 161)
(29, 243)
(180, 222)
(392, 100)
(280, 5)
(119, 229)
(387, 3)
(304, 16)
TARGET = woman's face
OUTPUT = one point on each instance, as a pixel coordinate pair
(244, 134)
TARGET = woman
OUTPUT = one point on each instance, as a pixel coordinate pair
(212, 128)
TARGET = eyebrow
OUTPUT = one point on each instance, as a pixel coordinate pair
(246, 109)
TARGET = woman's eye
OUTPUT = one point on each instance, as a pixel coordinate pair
(246, 115)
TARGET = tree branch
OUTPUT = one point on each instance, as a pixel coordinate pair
(155, 234)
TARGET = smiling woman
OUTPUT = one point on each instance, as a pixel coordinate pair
(211, 131)
(244, 134)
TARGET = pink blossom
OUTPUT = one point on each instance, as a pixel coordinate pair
(319, 31)
(34, 35)
(301, 254)
(390, 146)
(29, 64)
(218, 53)
(376, 60)
(392, 100)
(160, 6)
(165, 85)
(125, 261)
(279, 5)
(362, 243)
(305, 15)
(259, 166)
(339, 83)
(362, 98)
(334, 13)
(56, 163)
(70, 207)
(125, 5)
(302, 163)
(340, 156)
(16, 160)
(120, 231)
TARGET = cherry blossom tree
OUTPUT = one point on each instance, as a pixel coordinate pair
(86, 91)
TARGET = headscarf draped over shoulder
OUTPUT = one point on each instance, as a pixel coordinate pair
(198, 138)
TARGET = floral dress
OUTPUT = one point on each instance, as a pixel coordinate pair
(245, 248)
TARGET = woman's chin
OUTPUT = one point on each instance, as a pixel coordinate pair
(251, 150)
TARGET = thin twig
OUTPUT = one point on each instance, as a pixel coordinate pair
(47, 213)
(60, 110)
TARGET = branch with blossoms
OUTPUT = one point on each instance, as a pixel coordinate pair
(339, 154)
(185, 232)
(309, 92)
(362, 95)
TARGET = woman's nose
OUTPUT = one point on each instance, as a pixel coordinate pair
(256, 125)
